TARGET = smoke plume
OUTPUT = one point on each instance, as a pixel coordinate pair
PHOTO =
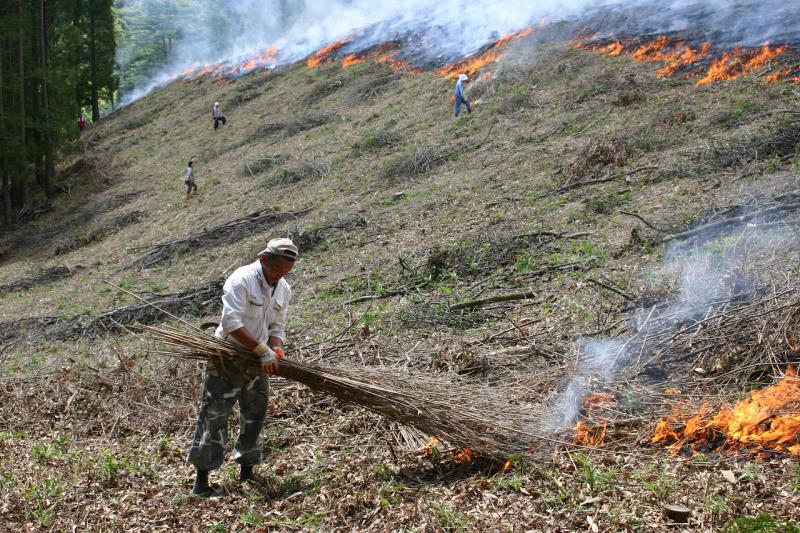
(712, 269)
(439, 32)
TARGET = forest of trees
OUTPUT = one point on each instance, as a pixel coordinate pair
(62, 59)
(151, 30)
(57, 60)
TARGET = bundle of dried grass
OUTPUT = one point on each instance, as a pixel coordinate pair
(491, 421)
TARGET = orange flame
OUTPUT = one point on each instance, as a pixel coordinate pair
(755, 421)
(430, 446)
(683, 57)
(786, 73)
(355, 59)
(352, 59)
(465, 456)
(397, 65)
(590, 436)
(679, 55)
(491, 55)
(321, 56)
(739, 62)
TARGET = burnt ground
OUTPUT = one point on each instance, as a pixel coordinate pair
(482, 248)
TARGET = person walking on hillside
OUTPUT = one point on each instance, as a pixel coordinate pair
(460, 98)
(216, 114)
(189, 181)
(255, 303)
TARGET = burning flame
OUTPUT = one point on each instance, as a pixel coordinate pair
(355, 59)
(590, 436)
(753, 422)
(491, 55)
(430, 449)
(322, 56)
(738, 62)
(465, 456)
(791, 72)
(680, 56)
(234, 70)
(397, 65)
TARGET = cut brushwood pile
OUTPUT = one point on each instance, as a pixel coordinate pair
(226, 233)
(196, 300)
(491, 421)
(310, 239)
(45, 275)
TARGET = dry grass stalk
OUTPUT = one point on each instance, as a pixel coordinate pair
(487, 420)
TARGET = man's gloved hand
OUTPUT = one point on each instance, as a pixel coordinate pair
(269, 360)
(278, 352)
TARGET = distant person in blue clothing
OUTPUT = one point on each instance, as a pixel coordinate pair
(460, 98)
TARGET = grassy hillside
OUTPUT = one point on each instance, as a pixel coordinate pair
(404, 215)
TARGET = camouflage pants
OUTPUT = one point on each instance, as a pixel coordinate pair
(220, 393)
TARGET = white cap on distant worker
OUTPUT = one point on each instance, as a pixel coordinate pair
(463, 77)
(216, 104)
(280, 248)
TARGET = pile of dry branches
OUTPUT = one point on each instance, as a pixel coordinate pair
(197, 300)
(746, 332)
(45, 275)
(490, 421)
(229, 232)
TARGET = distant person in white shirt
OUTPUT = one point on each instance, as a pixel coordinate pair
(216, 114)
(255, 303)
(460, 98)
(191, 186)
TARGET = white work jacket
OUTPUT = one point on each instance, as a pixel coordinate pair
(247, 300)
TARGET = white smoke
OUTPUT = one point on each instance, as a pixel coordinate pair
(716, 268)
(444, 30)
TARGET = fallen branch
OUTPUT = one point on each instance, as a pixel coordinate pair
(526, 295)
(645, 221)
(611, 288)
(735, 221)
(605, 179)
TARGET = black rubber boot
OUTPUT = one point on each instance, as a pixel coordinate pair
(247, 474)
(201, 486)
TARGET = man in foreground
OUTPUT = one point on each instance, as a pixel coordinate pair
(255, 303)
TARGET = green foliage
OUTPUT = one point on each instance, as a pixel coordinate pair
(717, 504)
(451, 520)
(251, 518)
(513, 482)
(43, 497)
(149, 31)
(607, 203)
(388, 493)
(374, 140)
(596, 480)
(763, 523)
